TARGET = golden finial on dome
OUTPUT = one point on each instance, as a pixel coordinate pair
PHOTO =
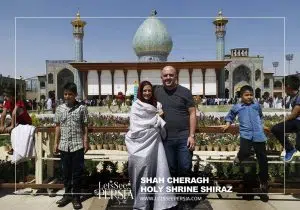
(78, 14)
(153, 12)
(220, 18)
(220, 13)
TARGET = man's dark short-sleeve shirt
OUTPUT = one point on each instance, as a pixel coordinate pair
(175, 105)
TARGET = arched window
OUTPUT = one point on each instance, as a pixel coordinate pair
(42, 85)
(63, 77)
(257, 75)
(266, 83)
(50, 78)
(241, 73)
(226, 74)
(278, 84)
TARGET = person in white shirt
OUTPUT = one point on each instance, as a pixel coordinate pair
(49, 104)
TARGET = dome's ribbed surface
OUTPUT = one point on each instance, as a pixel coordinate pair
(152, 41)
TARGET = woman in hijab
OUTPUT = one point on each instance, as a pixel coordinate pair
(147, 158)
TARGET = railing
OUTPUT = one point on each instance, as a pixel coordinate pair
(44, 142)
(123, 129)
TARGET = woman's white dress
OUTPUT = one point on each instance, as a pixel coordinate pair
(147, 157)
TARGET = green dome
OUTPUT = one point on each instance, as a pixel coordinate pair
(152, 41)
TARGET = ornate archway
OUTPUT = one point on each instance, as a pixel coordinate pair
(257, 75)
(63, 77)
(241, 76)
(238, 87)
(50, 78)
(226, 75)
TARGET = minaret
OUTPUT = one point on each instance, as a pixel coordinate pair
(220, 24)
(78, 33)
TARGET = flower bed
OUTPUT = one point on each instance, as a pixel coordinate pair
(4, 140)
(204, 141)
(111, 141)
(95, 120)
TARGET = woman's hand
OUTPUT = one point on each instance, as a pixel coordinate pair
(161, 114)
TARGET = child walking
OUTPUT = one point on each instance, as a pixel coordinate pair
(71, 140)
(251, 133)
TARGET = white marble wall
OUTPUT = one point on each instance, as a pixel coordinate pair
(106, 87)
(93, 83)
(119, 82)
(184, 78)
(152, 76)
(197, 82)
(210, 82)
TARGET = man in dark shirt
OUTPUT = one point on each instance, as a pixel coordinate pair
(180, 116)
(292, 121)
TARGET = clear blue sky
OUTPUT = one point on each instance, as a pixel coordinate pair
(111, 39)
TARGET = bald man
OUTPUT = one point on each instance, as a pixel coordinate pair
(180, 116)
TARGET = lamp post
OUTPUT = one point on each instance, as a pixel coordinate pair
(275, 65)
(289, 58)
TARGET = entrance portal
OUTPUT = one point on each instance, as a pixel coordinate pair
(63, 77)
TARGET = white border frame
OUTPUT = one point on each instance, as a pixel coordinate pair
(160, 17)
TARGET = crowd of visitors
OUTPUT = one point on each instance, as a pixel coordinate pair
(50, 103)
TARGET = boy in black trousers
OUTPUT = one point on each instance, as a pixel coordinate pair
(251, 134)
(71, 140)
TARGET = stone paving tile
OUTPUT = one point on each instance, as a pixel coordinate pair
(98, 204)
(276, 202)
(44, 202)
(35, 202)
